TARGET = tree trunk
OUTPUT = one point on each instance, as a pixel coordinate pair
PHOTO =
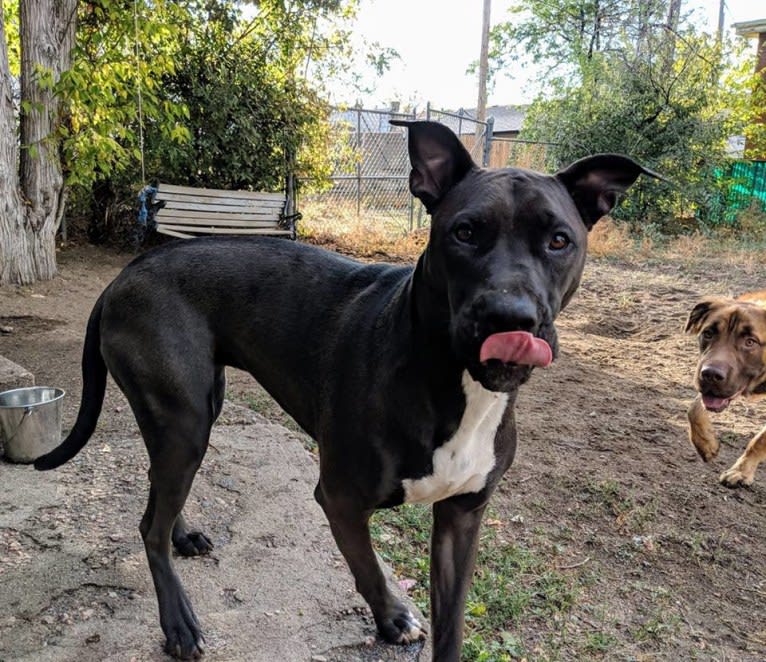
(11, 215)
(674, 15)
(28, 230)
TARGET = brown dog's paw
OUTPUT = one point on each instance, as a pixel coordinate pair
(707, 451)
(735, 477)
(707, 445)
(701, 433)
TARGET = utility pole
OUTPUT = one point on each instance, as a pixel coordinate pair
(721, 5)
(481, 106)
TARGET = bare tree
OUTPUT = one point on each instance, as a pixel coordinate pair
(31, 179)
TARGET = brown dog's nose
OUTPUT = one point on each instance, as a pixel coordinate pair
(713, 373)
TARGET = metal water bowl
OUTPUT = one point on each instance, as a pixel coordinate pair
(30, 421)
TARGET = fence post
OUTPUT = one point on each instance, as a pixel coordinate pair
(412, 198)
(358, 162)
(420, 204)
(488, 131)
(290, 202)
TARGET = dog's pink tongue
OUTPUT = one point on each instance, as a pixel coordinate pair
(518, 347)
(715, 404)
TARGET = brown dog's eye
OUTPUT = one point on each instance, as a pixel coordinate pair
(558, 242)
(751, 343)
(708, 333)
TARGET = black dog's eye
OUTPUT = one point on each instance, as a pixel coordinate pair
(559, 242)
(708, 333)
(464, 233)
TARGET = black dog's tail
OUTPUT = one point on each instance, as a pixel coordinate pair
(93, 389)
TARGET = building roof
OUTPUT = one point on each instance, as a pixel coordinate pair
(751, 28)
(369, 121)
(506, 118)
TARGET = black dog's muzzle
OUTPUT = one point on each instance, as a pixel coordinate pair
(497, 311)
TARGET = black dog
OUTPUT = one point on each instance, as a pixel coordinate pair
(405, 377)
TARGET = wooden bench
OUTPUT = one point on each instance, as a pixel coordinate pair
(183, 211)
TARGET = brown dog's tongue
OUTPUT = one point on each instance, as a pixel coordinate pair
(518, 347)
(715, 404)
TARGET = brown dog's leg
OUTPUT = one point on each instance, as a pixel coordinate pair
(701, 432)
(743, 470)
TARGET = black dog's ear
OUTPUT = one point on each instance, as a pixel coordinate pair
(438, 158)
(698, 315)
(595, 182)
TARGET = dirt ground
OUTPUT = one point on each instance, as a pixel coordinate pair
(666, 563)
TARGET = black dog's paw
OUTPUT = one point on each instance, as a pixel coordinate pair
(400, 627)
(184, 638)
(185, 652)
(193, 543)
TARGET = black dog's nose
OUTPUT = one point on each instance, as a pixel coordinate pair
(510, 314)
(713, 374)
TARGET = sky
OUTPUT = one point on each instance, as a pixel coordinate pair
(438, 40)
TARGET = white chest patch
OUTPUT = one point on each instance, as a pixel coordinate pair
(462, 464)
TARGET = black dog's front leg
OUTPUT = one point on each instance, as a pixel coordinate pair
(349, 525)
(454, 542)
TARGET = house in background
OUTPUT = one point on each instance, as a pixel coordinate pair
(755, 30)
(507, 120)
(367, 146)
(368, 120)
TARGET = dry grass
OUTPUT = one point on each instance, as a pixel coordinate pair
(609, 239)
(688, 246)
(744, 252)
(381, 235)
(363, 243)
(376, 235)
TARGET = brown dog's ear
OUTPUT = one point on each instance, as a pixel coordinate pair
(698, 315)
(595, 182)
(439, 161)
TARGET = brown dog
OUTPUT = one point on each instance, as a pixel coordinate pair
(732, 340)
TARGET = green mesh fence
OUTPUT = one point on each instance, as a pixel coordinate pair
(746, 186)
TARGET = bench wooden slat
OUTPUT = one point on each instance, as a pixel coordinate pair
(224, 223)
(188, 212)
(266, 215)
(217, 193)
(181, 235)
(186, 231)
(224, 209)
(173, 199)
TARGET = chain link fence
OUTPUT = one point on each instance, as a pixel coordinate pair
(475, 134)
(369, 191)
(370, 179)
